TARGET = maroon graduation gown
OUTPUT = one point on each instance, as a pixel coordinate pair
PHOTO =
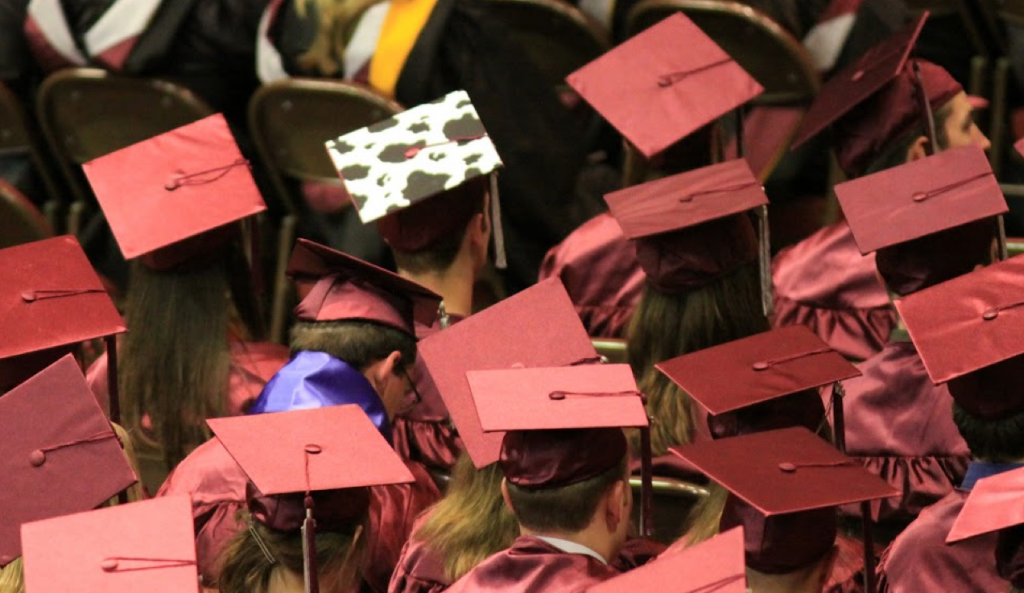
(217, 486)
(598, 267)
(900, 425)
(532, 565)
(824, 283)
(425, 433)
(919, 559)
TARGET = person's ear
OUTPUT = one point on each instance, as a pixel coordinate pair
(505, 497)
(617, 504)
(387, 369)
(918, 149)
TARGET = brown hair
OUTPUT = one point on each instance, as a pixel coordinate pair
(471, 522)
(336, 21)
(568, 509)
(175, 359)
(665, 326)
(358, 343)
(246, 568)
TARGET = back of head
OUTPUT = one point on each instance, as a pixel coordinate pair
(988, 410)
(358, 343)
(915, 265)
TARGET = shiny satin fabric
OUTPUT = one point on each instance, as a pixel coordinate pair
(598, 267)
(317, 379)
(218, 487)
(900, 426)
(532, 565)
(919, 559)
(825, 283)
(252, 365)
(1010, 555)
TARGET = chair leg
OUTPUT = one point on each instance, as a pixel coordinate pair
(285, 239)
(76, 213)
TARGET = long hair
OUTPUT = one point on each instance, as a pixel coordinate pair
(665, 326)
(246, 567)
(336, 21)
(471, 522)
(175, 359)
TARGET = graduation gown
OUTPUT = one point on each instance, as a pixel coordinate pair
(461, 46)
(425, 433)
(252, 365)
(919, 559)
(532, 565)
(900, 426)
(824, 283)
(217, 483)
(598, 267)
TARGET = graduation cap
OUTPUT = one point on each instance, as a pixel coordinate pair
(533, 328)
(763, 368)
(411, 157)
(968, 333)
(878, 99)
(712, 566)
(785, 485)
(144, 546)
(688, 230)
(172, 198)
(50, 300)
(663, 84)
(996, 504)
(929, 220)
(563, 425)
(310, 469)
(345, 287)
(59, 453)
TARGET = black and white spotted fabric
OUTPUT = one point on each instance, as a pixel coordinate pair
(397, 162)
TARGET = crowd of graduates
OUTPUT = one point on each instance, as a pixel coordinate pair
(845, 414)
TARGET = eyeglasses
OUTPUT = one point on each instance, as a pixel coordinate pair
(416, 397)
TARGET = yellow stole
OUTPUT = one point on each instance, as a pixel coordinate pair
(398, 34)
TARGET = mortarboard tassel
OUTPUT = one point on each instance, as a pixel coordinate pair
(443, 319)
(765, 261)
(500, 261)
(310, 570)
(926, 110)
(869, 548)
(113, 390)
(1004, 253)
(838, 417)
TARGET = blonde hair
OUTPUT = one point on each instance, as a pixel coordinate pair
(336, 21)
(471, 522)
(706, 515)
(12, 579)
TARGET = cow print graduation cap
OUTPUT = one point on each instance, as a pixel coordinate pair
(414, 155)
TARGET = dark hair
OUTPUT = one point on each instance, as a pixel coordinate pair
(991, 440)
(359, 343)
(465, 201)
(175, 359)
(896, 153)
(568, 509)
(245, 568)
(665, 326)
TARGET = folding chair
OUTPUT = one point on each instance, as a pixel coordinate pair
(20, 221)
(18, 137)
(86, 113)
(673, 500)
(613, 349)
(289, 121)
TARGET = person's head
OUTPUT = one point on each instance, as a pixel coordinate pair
(997, 440)
(383, 354)
(472, 521)
(428, 237)
(806, 579)
(262, 560)
(667, 325)
(570, 483)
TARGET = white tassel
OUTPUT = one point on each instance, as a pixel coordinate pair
(1004, 252)
(765, 261)
(500, 262)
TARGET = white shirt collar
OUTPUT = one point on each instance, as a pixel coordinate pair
(572, 547)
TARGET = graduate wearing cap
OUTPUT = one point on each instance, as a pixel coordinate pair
(967, 331)
(308, 498)
(175, 204)
(565, 462)
(438, 233)
(928, 221)
(784, 488)
(705, 265)
(669, 111)
(61, 456)
(354, 343)
(879, 121)
(772, 383)
(417, 52)
(472, 522)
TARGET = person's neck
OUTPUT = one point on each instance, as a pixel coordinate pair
(455, 285)
(590, 537)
